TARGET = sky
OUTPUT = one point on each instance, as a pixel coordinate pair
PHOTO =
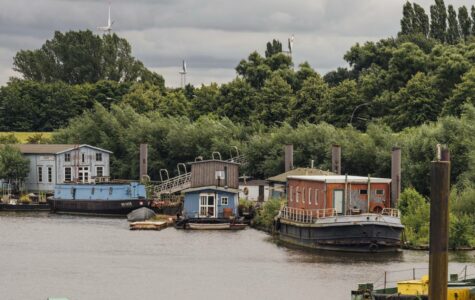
(211, 35)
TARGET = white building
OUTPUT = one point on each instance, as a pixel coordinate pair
(59, 163)
(254, 190)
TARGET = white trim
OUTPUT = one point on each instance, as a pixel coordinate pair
(206, 205)
(227, 200)
(340, 178)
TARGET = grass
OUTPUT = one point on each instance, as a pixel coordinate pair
(22, 137)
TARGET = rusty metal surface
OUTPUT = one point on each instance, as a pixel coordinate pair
(336, 159)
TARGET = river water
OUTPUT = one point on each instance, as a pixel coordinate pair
(45, 255)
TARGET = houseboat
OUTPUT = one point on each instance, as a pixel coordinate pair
(211, 201)
(98, 198)
(340, 212)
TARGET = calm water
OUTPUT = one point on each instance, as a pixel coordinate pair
(44, 255)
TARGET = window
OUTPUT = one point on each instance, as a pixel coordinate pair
(224, 200)
(83, 174)
(219, 175)
(309, 198)
(67, 157)
(99, 171)
(291, 195)
(40, 174)
(83, 157)
(98, 156)
(297, 195)
(67, 174)
(50, 174)
(316, 197)
(380, 192)
(363, 192)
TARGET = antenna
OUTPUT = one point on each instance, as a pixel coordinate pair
(291, 44)
(107, 28)
(183, 74)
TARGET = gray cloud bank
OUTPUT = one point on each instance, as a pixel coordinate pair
(212, 35)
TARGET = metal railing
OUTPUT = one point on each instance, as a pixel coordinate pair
(306, 215)
(392, 212)
(174, 184)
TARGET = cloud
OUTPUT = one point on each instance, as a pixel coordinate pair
(212, 35)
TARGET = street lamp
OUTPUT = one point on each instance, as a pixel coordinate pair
(354, 110)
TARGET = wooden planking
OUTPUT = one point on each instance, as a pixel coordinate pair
(204, 174)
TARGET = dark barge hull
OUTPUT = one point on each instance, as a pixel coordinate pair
(25, 207)
(96, 207)
(356, 237)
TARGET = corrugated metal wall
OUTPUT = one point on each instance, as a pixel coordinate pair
(204, 174)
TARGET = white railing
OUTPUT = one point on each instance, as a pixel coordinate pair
(306, 215)
(173, 184)
(392, 212)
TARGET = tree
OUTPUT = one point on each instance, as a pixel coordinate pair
(472, 14)
(205, 100)
(174, 103)
(416, 103)
(463, 93)
(237, 101)
(407, 60)
(438, 21)
(275, 100)
(13, 166)
(254, 70)
(464, 22)
(407, 19)
(415, 213)
(81, 56)
(308, 101)
(143, 97)
(273, 47)
(420, 23)
(453, 33)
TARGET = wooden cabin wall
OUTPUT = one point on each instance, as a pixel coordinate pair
(204, 174)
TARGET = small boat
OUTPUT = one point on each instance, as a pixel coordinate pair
(209, 226)
(148, 225)
(140, 214)
(237, 226)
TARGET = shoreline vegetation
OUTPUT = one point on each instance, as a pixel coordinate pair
(413, 91)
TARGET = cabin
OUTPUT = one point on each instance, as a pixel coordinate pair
(254, 190)
(51, 164)
(344, 193)
(214, 190)
(278, 183)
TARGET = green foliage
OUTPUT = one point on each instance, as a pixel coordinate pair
(461, 233)
(265, 216)
(464, 22)
(13, 166)
(276, 98)
(273, 47)
(38, 138)
(8, 139)
(81, 56)
(415, 217)
(438, 21)
(453, 33)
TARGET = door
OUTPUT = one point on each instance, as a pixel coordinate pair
(338, 201)
(207, 206)
(261, 194)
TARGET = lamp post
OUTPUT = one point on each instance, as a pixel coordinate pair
(354, 110)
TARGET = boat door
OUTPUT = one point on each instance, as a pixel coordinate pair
(338, 201)
(207, 206)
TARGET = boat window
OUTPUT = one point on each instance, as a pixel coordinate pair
(291, 195)
(363, 192)
(297, 195)
(67, 174)
(316, 196)
(224, 200)
(379, 192)
(309, 194)
(99, 171)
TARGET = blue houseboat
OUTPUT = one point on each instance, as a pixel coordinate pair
(99, 199)
(211, 202)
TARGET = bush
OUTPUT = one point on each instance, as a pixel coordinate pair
(265, 216)
(461, 231)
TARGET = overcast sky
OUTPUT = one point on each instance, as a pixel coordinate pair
(211, 35)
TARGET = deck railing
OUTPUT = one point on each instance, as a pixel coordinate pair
(306, 215)
(392, 212)
(174, 184)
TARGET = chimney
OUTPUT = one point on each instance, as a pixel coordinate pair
(143, 160)
(289, 157)
(336, 159)
(395, 175)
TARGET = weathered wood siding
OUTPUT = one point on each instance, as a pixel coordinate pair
(204, 174)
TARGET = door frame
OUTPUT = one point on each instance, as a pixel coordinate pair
(342, 200)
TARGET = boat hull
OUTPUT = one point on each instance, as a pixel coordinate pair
(343, 234)
(96, 207)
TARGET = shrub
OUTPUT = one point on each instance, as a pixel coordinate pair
(265, 217)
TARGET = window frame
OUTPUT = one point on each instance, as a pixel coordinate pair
(50, 174)
(227, 201)
(70, 174)
(67, 157)
(98, 155)
(40, 173)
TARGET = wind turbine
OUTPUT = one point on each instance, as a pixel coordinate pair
(291, 44)
(107, 28)
(183, 74)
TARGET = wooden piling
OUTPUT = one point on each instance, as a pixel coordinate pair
(143, 160)
(395, 175)
(439, 228)
(336, 159)
(289, 157)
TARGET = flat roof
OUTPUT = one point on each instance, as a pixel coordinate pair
(52, 148)
(298, 171)
(213, 160)
(341, 178)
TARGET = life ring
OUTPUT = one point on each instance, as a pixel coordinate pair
(377, 209)
(245, 191)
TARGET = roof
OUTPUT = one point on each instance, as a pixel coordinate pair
(298, 171)
(211, 187)
(213, 160)
(254, 182)
(342, 179)
(52, 148)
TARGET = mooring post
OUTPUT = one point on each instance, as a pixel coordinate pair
(395, 176)
(288, 157)
(143, 160)
(336, 159)
(439, 227)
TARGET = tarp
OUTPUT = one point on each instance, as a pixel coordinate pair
(140, 214)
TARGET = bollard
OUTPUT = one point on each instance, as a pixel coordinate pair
(439, 228)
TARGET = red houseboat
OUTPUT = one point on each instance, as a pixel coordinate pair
(340, 212)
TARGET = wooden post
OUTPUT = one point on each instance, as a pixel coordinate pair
(439, 229)
(395, 176)
(143, 160)
(336, 159)
(289, 157)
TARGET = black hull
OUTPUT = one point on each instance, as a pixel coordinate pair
(25, 207)
(358, 237)
(96, 207)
